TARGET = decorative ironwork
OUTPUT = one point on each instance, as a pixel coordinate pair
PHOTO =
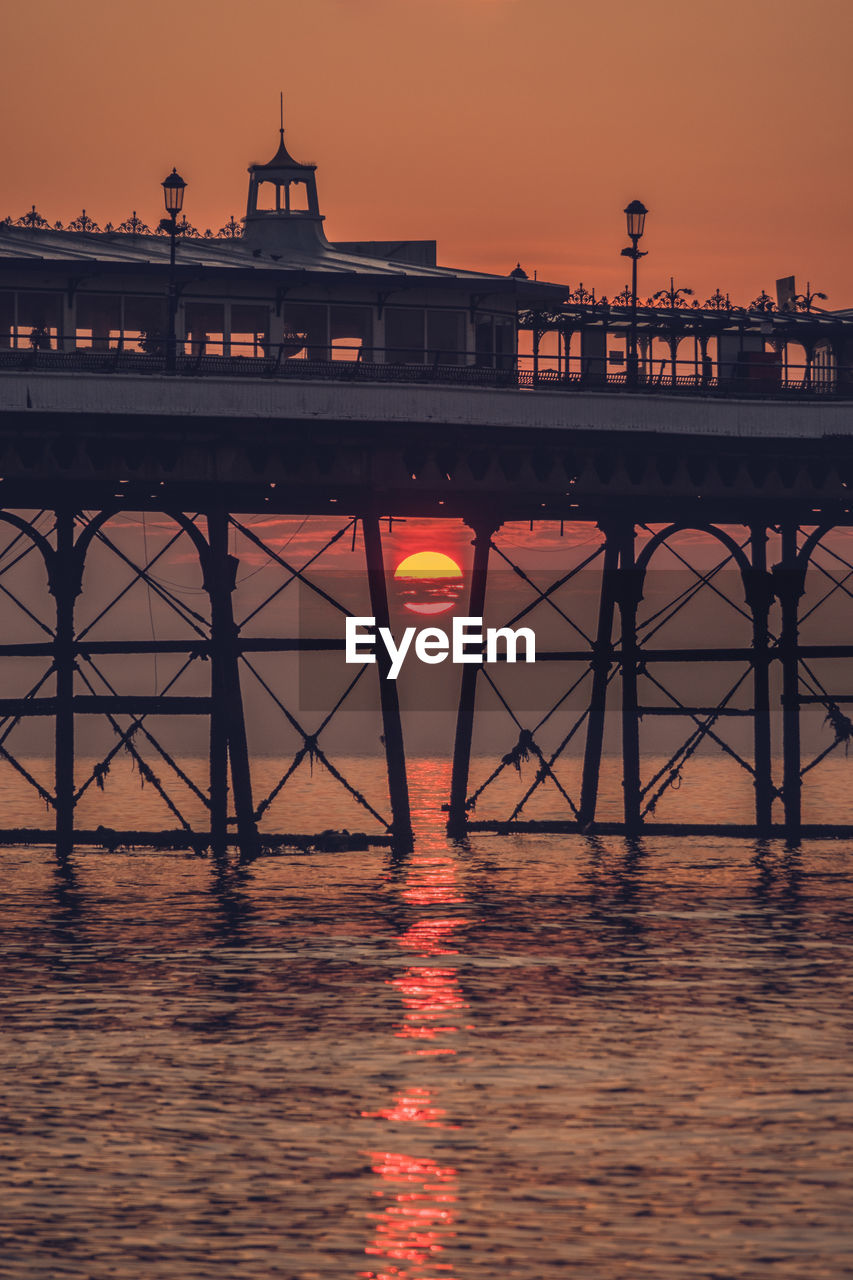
(232, 230)
(134, 226)
(83, 223)
(718, 302)
(623, 299)
(762, 303)
(32, 219)
(182, 228)
(671, 298)
(582, 295)
(804, 301)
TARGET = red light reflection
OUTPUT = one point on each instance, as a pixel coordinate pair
(429, 995)
(431, 937)
(417, 1221)
(414, 1107)
(430, 881)
(417, 1217)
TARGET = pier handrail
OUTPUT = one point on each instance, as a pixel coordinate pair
(452, 368)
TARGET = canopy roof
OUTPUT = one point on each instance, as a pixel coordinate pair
(282, 160)
(111, 252)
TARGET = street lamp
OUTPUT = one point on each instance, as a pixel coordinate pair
(173, 194)
(635, 214)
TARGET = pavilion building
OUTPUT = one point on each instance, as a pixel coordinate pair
(275, 288)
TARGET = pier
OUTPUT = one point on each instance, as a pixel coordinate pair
(210, 380)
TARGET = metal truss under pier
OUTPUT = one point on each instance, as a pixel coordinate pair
(766, 484)
(73, 679)
(620, 667)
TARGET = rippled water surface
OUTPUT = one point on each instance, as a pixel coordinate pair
(528, 1058)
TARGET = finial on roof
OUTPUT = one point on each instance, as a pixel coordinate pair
(282, 158)
(518, 272)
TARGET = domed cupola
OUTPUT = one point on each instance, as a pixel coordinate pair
(282, 211)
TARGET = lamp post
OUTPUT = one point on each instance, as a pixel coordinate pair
(635, 214)
(173, 194)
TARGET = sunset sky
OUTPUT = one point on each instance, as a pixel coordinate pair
(506, 129)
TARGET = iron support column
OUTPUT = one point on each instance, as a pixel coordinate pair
(758, 587)
(65, 586)
(790, 577)
(392, 727)
(457, 820)
(630, 594)
(601, 663)
(221, 578)
(218, 755)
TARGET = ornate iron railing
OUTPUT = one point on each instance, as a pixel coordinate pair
(520, 373)
(34, 221)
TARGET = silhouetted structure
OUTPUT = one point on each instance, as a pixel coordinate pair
(313, 378)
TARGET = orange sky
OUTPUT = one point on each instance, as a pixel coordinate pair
(505, 129)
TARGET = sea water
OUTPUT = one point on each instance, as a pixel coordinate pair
(508, 1059)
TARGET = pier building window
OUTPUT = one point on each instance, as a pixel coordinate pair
(544, 356)
(39, 320)
(404, 335)
(268, 199)
(7, 320)
(305, 333)
(145, 324)
(494, 342)
(295, 197)
(504, 344)
(281, 197)
(445, 337)
(205, 327)
(351, 332)
(824, 367)
(249, 329)
(98, 318)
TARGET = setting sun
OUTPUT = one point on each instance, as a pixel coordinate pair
(428, 582)
(428, 564)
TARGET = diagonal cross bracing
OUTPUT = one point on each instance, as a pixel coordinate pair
(139, 575)
(295, 575)
(542, 597)
(187, 615)
(311, 747)
(125, 736)
(127, 741)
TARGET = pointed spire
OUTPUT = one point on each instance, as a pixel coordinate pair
(282, 158)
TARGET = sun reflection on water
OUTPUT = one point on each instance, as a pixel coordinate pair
(415, 1221)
